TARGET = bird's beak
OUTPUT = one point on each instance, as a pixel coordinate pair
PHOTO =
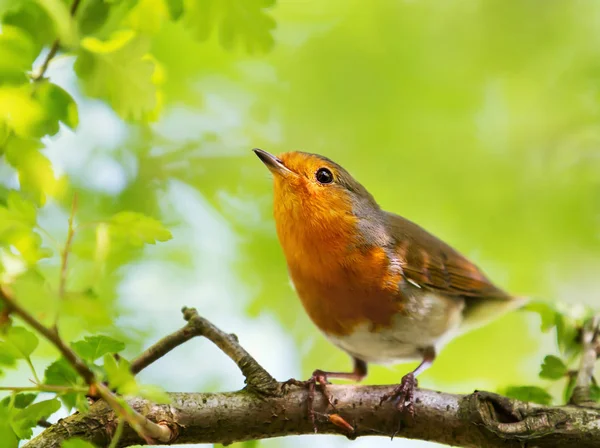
(274, 164)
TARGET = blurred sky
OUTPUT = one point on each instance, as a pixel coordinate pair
(478, 120)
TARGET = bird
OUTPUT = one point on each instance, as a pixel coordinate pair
(378, 286)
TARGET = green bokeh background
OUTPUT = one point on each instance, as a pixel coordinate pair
(476, 119)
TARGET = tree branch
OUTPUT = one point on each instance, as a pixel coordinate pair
(590, 338)
(475, 420)
(481, 419)
(257, 378)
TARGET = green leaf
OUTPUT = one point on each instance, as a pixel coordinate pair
(7, 435)
(25, 419)
(175, 8)
(59, 106)
(154, 393)
(32, 18)
(553, 368)
(64, 25)
(119, 71)
(94, 347)
(20, 401)
(137, 229)
(19, 112)
(20, 209)
(595, 392)
(6, 357)
(16, 229)
(36, 176)
(91, 15)
(10, 6)
(120, 378)
(533, 394)
(148, 16)
(546, 311)
(569, 387)
(77, 443)
(239, 22)
(17, 53)
(567, 335)
(19, 342)
(60, 373)
(119, 375)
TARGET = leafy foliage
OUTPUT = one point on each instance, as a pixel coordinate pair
(137, 229)
(120, 378)
(27, 418)
(94, 347)
(122, 59)
(77, 443)
(238, 21)
(534, 394)
(553, 368)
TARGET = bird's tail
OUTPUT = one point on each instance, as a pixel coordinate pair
(479, 312)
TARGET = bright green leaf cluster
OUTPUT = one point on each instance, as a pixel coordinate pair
(17, 223)
(19, 415)
(243, 22)
(533, 394)
(77, 443)
(95, 347)
(137, 229)
(555, 368)
(122, 59)
(121, 379)
(111, 42)
(16, 343)
(60, 373)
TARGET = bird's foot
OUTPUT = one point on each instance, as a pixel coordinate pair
(403, 395)
(318, 377)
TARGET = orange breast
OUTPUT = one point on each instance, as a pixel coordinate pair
(340, 282)
(342, 294)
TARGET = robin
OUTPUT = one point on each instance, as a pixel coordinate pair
(377, 285)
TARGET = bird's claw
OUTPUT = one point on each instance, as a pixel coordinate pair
(403, 395)
(318, 377)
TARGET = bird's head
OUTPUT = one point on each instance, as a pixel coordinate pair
(313, 187)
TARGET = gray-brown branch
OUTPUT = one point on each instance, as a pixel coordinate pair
(590, 341)
(266, 409)
(476, 420)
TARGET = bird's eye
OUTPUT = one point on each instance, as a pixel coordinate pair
(324, 176)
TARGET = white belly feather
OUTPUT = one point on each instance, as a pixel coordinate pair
(428, 321)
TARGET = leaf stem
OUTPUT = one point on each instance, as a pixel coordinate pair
(118, 433)
(64, 257)
(44, 388)
(30, 364)
(54, 48)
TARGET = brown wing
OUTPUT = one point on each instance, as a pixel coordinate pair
(430, 263)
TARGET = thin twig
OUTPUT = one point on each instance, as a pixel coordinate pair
(117, 435)
(146, 429)
(66, 250)
(44, 423)
(50, 335)
(257, 378)
(162, 347)
(64, 258)
(590, 341)
(54, 48)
